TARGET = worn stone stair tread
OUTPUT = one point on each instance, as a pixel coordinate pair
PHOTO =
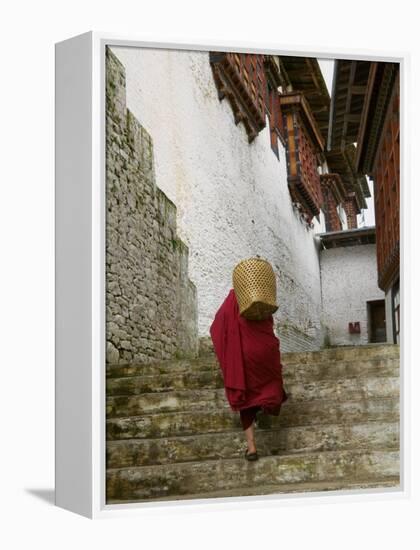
(133, 385)
(171, 433)
(283, 488)
(240, 461)
(209, 360)
(317, 413)
(335, 353)
(212, 475)
(364, 352)
(212, 365)
(318, 385)
(270, 442)
(162, 367)
(226, 408)
(196, 399)
(211, 378)
(258, 429)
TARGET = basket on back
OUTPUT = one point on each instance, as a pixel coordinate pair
(254, 283)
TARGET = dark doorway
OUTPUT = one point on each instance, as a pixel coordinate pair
(377, 324)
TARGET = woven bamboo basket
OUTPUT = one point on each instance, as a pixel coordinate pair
(254, 283)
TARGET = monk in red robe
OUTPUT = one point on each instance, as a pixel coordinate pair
(249, 356)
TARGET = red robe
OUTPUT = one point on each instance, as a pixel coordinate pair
(249, 357)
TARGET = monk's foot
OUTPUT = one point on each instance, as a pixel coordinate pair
(251, 455)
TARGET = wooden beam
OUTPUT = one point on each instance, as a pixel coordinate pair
(322, 109)
(297, 73)
(351, 118)
(358, 90)
(313, 74)
(352, 74)
(363, 119)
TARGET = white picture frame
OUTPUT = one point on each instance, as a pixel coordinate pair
(80, 278)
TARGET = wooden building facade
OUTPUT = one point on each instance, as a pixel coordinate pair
(291, 91)
(365, 111)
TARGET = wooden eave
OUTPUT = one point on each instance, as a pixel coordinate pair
(376, 100)
(273, 71)
(230, 86)
(296, 100)
(305, 75)
(341, 162)
(348, 237)
(359, 181)
(349, 89)
(286, 81)
(333, 182)
(361, 93)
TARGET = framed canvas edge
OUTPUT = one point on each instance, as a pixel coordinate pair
(99, 508)
(73, 277)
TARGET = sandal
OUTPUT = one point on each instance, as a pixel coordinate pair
(251, 456)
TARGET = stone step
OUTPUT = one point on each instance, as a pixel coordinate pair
(161, 367)
(317, 368)
(312, 360)
(209, 446)
(210, 399)
(311, 413)
(344, 353)
(333, 353)
(148, 482)
(388, 366)
(346, 485)
(133, 385)
(212, 377)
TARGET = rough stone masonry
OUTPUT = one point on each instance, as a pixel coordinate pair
(151, 305)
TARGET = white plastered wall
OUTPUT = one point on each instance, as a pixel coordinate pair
(232, 197)
(349, 281)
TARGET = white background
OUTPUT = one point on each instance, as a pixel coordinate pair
(28, 33)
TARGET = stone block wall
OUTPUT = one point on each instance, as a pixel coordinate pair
(151, 304)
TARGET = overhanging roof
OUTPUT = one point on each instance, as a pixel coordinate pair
(360, 95)
(349, 88)
(348, 237)
(343, 162)
(305, 75)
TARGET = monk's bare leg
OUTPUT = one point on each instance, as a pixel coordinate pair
(250, 438)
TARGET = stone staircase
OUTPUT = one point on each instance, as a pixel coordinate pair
(171, 434)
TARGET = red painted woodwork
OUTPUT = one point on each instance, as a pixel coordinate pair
(274, 81)
(350, 207)
(274, 116)
(241, 79)
(332, 193)
(386, 176)
(303, 143)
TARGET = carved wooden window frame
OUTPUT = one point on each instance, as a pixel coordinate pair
(241, 79)
(304, 144)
